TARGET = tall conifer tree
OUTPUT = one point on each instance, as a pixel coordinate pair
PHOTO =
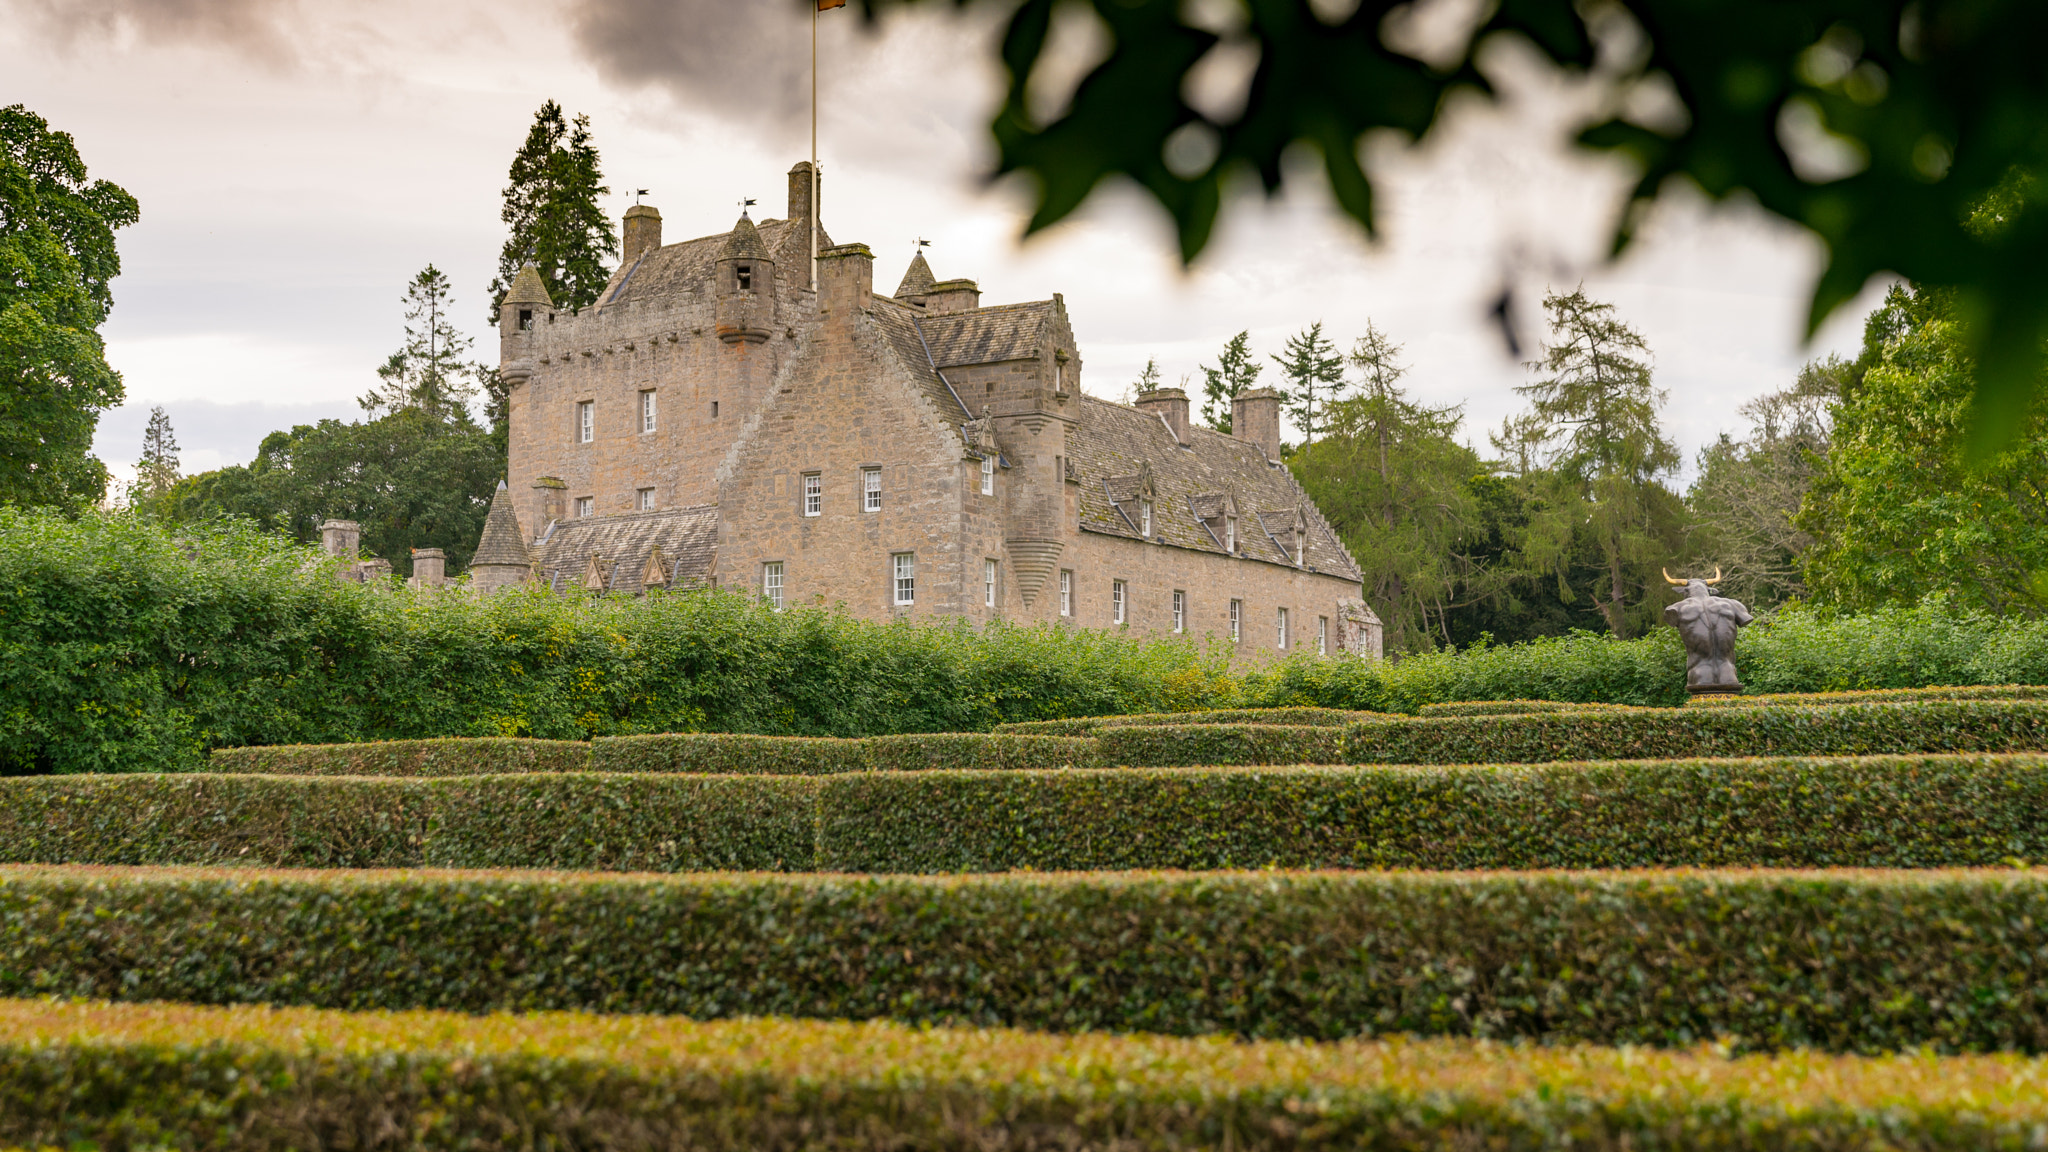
(1311, 364)
(552, 213)
(157, 471)
(1236, 370)
(429, 373)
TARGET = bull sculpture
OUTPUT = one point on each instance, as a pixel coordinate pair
(1707, 623)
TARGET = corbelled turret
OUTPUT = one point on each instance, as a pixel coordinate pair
(746, 286)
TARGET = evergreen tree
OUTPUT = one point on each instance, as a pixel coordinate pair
(1596, 410)
(1310, 363)
(429, 373)
(1236, 370)
(1146, 382)
(157, 471)
(552, 213)
(57, 258)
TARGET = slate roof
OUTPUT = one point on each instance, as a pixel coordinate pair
(680, 267)
(908, 329)
(1113, 445)
(687, 537)
(989, 335)
(528, 287)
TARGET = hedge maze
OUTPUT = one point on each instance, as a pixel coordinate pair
(1762, 922)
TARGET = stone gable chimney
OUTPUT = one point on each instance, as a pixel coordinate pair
(1255, 416)
(800, 191)
(952, 296)
(642, 232)
(846, 278)
(1170, 405)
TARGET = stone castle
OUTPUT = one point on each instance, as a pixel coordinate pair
(716, 421)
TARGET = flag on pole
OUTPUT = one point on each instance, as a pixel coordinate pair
(826, 5)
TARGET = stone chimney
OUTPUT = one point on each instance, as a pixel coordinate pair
(952, 296)
(846, 278)
(1170, 405)
(429, 568)
(552, 492)
(1255, 416)
(642, 232)
(341, 538)
(800, 191)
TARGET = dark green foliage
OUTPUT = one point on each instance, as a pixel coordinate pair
(1298, 717)
(644, 822)
(1928, 96)
(1876, 812)
(1236, 370)
(552, 216)
(57, 259)
(1163, 745)
(1526, 707)
(1612, 957)
(1844, 730)
(446, 756)
(1875, 696)
(726, 753)
(981, 751)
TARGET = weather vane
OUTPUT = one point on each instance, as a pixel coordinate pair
(639, 192)
(746, 204)
(921, 244)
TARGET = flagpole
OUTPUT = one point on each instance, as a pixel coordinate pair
(814, 149)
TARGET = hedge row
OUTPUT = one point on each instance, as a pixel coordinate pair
(1842, 961)
(1876, 696)
(1909, 812)
(1300, 717)
(1506, 707)
(707, 752)
(100, 1075)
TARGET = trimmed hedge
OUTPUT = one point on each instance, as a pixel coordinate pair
(1835, 960)
(981, 751)
(79, 1075)
(1507, 707)
(1164, 745)
(1878, 696)
(444, 757)
(561, 820)
(723, 753)
(1879, 812)
(1839, 730)
(1299, 717)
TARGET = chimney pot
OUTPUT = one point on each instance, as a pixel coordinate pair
(1255, 416)
(1171, 405)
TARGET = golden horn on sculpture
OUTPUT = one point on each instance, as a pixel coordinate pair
(1716, 579)
(1668, 579)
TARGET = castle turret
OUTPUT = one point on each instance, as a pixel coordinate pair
(746, 286)
(917, 281)
(502, 558)
(525, 305)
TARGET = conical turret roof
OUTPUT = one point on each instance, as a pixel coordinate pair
(746, 242)
(528, 288)
(503, 544)
(917, 279)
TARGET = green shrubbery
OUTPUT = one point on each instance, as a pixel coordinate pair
(1840, 961)
(444, 756)
(95, 1075)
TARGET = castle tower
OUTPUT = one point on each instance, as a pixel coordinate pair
(745, 287)
(502, 558)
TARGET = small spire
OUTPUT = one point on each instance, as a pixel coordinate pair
(917, 279)
(528, 288)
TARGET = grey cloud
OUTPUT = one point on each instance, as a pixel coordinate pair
(748, 59)
(255, 28)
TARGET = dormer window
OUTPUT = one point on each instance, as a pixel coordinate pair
(746, 274)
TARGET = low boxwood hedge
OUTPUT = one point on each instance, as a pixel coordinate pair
(640, 821)
(979, 751)
(1837, 730)
(1172, 745)
(1305, 717)
(98, 1075)
(1834, 960)
(719, 752)
(1506, 707)
(446, 757)
(1878, 812)
(1878, 696)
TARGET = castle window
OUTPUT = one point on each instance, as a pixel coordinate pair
(904, 565)
(988, 583)
(1180, 611)
(586, 506)
(526, 319)
(746, 277)
(586, 422)
(988, 475)
(714, 409)
(1230, 535)
(643, 499)
(871, 489)
(1066, 592)
(771, 582)
(1145, 519)
(1322, 635)
(814, 494)
(1236, 621)
(1280, 624)
(1118, 598)
(647, 410)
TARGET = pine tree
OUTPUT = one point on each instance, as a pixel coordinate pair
(1236, 370)
(429, 373)
(1147, 381)
(157, 471)
(552, 212)
(1598, 405)
(1310, 363)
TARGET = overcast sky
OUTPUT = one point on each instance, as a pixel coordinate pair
(298, 162)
